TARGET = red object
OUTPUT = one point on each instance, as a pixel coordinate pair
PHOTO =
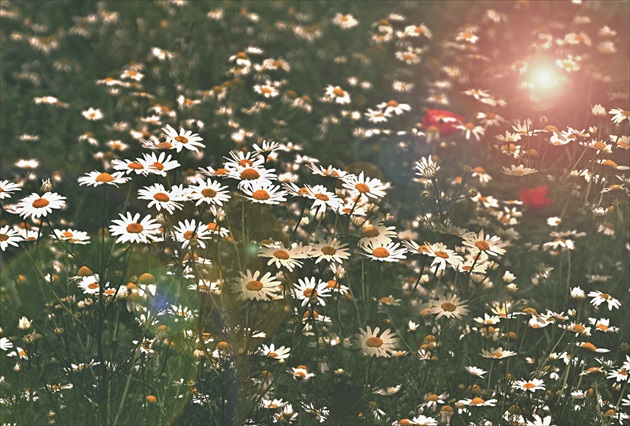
(445, 122)
(536, 198)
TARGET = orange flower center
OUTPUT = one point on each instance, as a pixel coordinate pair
(310, 292)
(431, 397)
(104, 178)
(67, 234)
(322, 197)
(332, 284)
(158, 166)
(369, 231)
(482, 245)
(441, 254)
(610, 163)
(208, 192)
(579, 328)
(477, 401)
(212, 226)
(40, 203)
(392, 104)
(4, 237)
(254, 285)
(529, 385)
(188, 235)
(374, 342)
(181, 139)
(338, 91)
(479, 169)
(589, 346)
(281, 254)
(249, 174)
(92, 286)
(380, 252)
(220, 171)
(162, 197)
(261, 194)
(497, 354)
(329, 250)
(362, 188)
(134, 228)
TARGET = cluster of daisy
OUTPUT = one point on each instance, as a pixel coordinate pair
(477, 276)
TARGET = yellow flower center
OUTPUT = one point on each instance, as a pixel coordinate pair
(448, 306)
(329, 250)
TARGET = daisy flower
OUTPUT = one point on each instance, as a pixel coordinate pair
(599, 298)
(188, 231)
(92, 114)
(324, 198)
(619, 115)
(329, 171)
(478, 402)
(612, 164)
(393, 107)
(36, 206)
(158, 165)
(185, 139)
(129, 166)
(330, 250)
(426, 167)
(345, 21)
(8, 237)
(389, 252)
(251, 287)
(483, 243)
(361, 184)
(373, 344)
(591, 347)
(529, 385)
(251, 174)
(475, 371)
(518, 170)
(271, 351)
(208, 191)
(161, 198)
(308, 290)
(72, 236)
(129, 229)
(498, 353)
(603, 325)
(263, 192)
(449, 306)
(301, 373)
(443, 256)
(336, 94)
(97, 178)
(7, 187)
(376, 232)
(89, 285)
(5, 344)
(283, 257)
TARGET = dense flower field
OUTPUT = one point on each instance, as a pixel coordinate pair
(401, 213)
